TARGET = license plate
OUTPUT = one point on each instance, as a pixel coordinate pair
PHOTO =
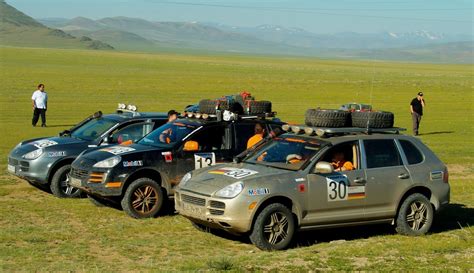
(11, 168)
(198, 212)
(74, 182)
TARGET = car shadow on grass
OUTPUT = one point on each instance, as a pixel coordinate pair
(452, 217)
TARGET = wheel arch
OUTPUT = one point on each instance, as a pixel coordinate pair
(285, 200)
(422, 190)
(58, 164)
(148, 173)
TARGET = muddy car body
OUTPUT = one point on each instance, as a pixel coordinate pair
(288, 184)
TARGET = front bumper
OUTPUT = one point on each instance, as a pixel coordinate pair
(31, 170)
(99, 182)
(232, 215)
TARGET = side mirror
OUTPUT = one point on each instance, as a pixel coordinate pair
(191, 146)
(323, 167)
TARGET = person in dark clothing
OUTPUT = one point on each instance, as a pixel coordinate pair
(416, 108)
(40, 104)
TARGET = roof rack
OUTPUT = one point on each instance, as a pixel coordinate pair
(328, 131)
(227, 115)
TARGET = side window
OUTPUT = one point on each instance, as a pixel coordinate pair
(344, 156)
(243, 132)
(413, 155)
(381, 153)
(132, 132)
(212, 138)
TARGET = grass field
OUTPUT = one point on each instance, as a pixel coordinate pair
(41, 233)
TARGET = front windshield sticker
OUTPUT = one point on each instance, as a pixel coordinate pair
(339, 189)
(117, 150)
(136, 163)
(44, 143)
(56, 154)
(260, 191)
(234, 172)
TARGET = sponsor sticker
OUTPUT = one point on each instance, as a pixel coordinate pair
(136, 163)
(301, 179)
(117, 150)
(437, 175)
(168, 156)
(234, 172)
(44, 143)
(56, 154)
(260, 191)
(339, 189)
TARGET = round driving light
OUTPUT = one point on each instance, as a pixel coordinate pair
(309, 131)
(286, 127)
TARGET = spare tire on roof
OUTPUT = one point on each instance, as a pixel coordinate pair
(327, 118)
(254, 107)
(207, 106)
(376, 119)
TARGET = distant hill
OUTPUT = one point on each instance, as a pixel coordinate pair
(19, 29)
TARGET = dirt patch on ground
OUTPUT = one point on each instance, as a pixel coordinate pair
(460, 171)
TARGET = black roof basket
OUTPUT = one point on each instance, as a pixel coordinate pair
(227, 115)
(328, 131)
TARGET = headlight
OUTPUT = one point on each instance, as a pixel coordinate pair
(185, 179)
(108, 163)
(231, 191)
(34, 154)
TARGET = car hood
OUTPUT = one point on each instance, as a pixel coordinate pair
(209, 180)
(102, 153)
(47, 143)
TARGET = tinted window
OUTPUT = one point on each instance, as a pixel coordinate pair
(381, 153)
(212, 138)
(132, 132)
(243, 132)
(412, 153)
(93, 128)
(168, 135)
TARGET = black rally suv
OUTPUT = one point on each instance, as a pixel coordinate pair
(142, 176)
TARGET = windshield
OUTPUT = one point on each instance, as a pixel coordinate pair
(167, 135)
(289, 153)
(93, 128)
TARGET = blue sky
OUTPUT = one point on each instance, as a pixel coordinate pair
(320, 16)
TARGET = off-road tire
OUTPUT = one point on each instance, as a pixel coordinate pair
(58, 181)
(98, 202)
(258, 107)
(327, 118)
(415, 215)
(140, 190)
(374, 120)
(266, 220)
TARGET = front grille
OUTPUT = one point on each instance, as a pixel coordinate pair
(217, 204)
(77, 173)
(193, 200)
(216, 212)
(12, 161)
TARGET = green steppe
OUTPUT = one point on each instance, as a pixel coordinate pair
(41, 233)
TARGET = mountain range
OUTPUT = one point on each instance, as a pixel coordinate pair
(19, 29)
(134, 34)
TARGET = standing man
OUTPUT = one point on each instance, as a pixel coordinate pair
(416, 109)
(40, 104)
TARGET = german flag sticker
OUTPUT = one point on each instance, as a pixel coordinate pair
(356, 192)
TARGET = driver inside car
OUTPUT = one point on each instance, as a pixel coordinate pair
(340, 164)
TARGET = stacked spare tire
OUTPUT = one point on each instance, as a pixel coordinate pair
(243, 103)
(341, 118)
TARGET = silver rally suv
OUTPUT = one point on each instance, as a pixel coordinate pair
(339, 177)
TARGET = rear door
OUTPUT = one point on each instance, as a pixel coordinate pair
(387, 177)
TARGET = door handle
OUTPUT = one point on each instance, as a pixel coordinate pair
(403, 176)
(359, 180)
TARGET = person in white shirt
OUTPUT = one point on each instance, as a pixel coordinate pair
(40, 104)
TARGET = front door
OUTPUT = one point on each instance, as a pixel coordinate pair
(337, 197)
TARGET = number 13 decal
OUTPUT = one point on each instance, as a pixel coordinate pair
(203, 160)
(337, 187)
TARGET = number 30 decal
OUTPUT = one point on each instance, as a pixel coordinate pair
(337, 188)
(203, 160)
